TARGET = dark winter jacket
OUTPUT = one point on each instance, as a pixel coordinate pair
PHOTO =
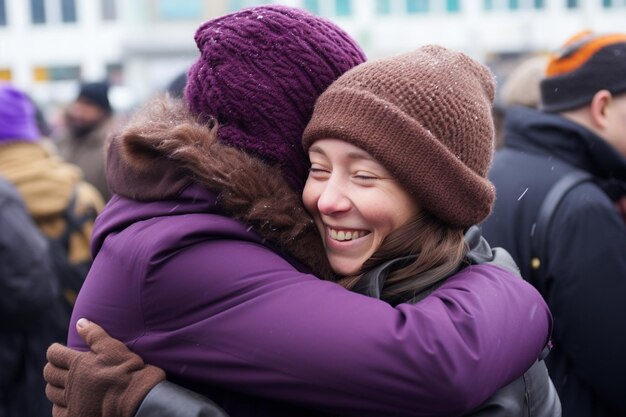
(585, 279)
(32, 316)
(532, 394)
(212, 287)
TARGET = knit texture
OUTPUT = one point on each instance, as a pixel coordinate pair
(17, 115)
(424, 115)
(259, 73)
(586, 63)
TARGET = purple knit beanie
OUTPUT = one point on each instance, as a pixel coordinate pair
(259, 73)
(17, 115)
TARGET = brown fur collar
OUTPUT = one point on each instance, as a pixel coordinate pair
(164, 147)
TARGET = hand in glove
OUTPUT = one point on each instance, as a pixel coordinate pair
(109, 380)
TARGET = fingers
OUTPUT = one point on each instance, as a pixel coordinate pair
(60, 355)
(56, 395)
(55, 375)
(58, 411)
(98, 339)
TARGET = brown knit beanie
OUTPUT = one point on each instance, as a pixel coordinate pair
(424, 115)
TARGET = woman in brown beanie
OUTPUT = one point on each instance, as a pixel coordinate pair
(242, 319)
(399, 152)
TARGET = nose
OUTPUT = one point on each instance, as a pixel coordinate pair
(333, 198)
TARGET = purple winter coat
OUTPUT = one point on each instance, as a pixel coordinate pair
(214, 304)
(197, 294)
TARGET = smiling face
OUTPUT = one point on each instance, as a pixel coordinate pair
(354, 201)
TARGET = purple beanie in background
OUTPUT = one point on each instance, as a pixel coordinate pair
(17, 115)
(259, 73)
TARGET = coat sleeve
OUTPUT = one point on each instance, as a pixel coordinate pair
(236, 315)
(170, 400)
(588, 270)
(27, 284)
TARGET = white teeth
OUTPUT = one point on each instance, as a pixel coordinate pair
(346, 235)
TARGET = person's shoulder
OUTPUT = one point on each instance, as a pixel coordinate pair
(8, 195)
(484, 277)
(88, 198)
(586, 204)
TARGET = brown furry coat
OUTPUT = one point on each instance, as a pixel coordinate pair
(164, 148)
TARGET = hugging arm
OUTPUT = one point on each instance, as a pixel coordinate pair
(118, 384)
(328, 348)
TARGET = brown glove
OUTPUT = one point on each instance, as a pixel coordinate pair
(108, 381)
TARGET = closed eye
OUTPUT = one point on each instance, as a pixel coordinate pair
(318, 173)
(366, 178)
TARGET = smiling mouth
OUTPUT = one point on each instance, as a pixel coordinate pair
(343, 235)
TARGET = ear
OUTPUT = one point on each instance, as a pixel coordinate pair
(599, 109)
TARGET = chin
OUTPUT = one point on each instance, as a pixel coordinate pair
(344, 269)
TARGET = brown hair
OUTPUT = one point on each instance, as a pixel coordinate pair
(439, 248)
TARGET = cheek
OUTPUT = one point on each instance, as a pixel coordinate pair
(310, 195)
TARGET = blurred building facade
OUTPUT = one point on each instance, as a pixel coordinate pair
(47, 46)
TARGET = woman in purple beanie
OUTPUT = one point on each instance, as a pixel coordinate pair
(204, 260)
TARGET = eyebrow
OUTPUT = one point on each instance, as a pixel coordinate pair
(355, 155)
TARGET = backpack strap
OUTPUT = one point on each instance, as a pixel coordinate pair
(74, 223)
(540, 235)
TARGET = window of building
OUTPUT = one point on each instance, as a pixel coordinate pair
(53, 11)
(234, 5)
(383, 7)
(115, 73)
(57, 73)
(343, 8)
(37, 11)
(3, 13)
(513, 5)
(608, 4)
(5, 74)
(68, 11)
(572, 4)
(417, 6)
(312, 5)
(453, 6)
(109, 10)
(178, 10)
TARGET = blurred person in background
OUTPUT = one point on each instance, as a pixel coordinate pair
(520, 88)
(88, 121)
(58, 200)
(31, 312)
(176, 87)
(581, 128)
